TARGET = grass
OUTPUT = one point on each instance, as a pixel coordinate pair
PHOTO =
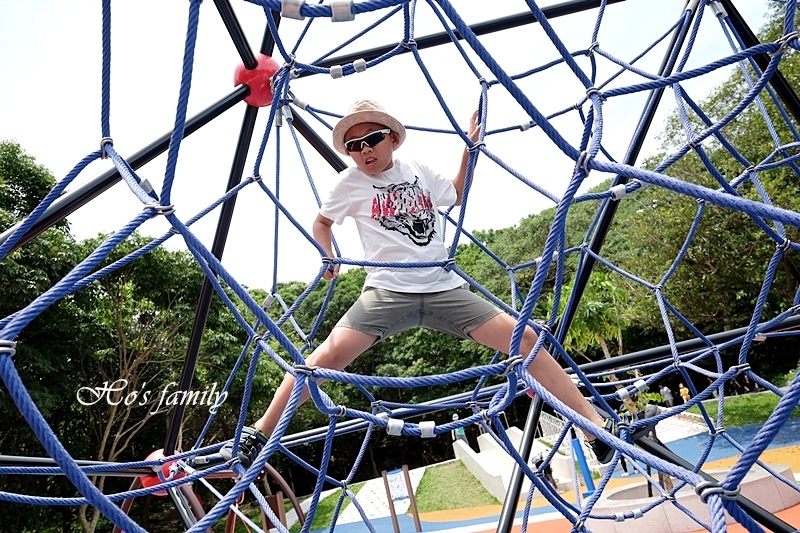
(450, 486)
(442, 487)
(745, 409)
(326, 507)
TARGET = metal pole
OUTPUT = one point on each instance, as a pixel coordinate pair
(482, 28)
(388, 490)
(604, 224)
(782, 87)
(511, 500)
(218, 245)
(72, 201)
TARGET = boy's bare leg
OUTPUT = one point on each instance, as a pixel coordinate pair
(496, 333)
(341, 347)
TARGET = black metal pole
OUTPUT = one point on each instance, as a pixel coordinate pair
(207, 291)
(72, 201)
(324, 149)
(758, 513)
(237, 35)
(220, 236)
(653, 354)
(511, 500)
(782, 87)
(597, 242)
(482, 28)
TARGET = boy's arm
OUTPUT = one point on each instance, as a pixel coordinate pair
(473, 132)
(324, 236)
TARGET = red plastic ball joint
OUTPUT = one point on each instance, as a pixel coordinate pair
(152, 479)
(257, 80)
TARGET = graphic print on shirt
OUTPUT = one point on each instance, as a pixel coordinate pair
(406, 208)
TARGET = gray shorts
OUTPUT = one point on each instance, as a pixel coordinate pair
(384, 313)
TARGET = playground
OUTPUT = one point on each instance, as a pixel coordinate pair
(683, 437)
(641, 155)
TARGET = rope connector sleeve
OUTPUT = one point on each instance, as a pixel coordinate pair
(342, 11)
(360, 65)
(394, 427)
(290, 9)
(718, 9)
(427, 427)
(336, 72)
(8, 348)
(618, 192)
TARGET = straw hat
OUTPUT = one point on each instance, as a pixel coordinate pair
(365, 111)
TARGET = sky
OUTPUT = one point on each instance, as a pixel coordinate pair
(50, 65)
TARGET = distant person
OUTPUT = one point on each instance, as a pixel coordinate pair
(624, 465)
(459, 433)
(684, 392)
(666, 393)
(481, 429)
(714, 391)
(547, 471)
(750, 384)
(736, 387)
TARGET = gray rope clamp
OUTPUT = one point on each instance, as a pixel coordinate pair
(161, 209)
(783, 43)
(305, 369)
(510, 364)
(103, 142)
(8, 348)
(583, 161)
(475, 146)
(705, 489)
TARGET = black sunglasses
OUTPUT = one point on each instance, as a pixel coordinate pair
(356, 145)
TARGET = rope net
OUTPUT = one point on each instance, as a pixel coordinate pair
(592, 79)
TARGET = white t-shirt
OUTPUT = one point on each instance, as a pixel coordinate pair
(395, 213)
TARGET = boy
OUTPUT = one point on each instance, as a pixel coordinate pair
(394, 206)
